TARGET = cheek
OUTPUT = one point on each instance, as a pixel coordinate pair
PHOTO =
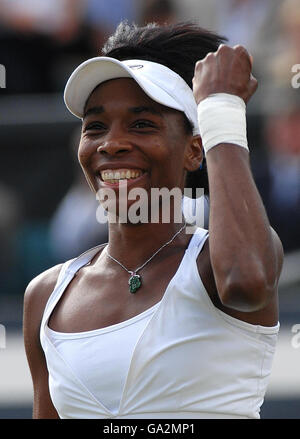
(84, 158)
(159, 150)
(171, 167)
(85, 152)
(176, 155)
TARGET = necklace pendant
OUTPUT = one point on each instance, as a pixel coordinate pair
(135, 281)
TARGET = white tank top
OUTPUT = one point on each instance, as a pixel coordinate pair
(182, 358)
(105, 356)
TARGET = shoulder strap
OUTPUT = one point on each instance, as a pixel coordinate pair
(197, 241)
(66, 274)
(83, 259)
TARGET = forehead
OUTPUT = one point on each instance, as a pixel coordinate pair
(121, 92)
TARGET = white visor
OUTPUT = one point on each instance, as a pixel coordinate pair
(158, 81)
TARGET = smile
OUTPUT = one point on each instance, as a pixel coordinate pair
(115, 175)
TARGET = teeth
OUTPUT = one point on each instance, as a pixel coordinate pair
(114, 176)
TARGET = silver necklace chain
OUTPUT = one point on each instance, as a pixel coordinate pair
(148, 260)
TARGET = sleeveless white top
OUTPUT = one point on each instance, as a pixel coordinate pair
(182, 358)
(116, 342)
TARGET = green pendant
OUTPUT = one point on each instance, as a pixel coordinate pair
(134, 283)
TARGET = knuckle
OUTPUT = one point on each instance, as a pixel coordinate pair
(240, 48)
(210, 55)
(223, 48)
(242, 51)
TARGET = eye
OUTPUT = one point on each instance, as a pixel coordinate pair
(140, 124)
(94, 126)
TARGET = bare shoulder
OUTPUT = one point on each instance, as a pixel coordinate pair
(35, 299)
(39, 290)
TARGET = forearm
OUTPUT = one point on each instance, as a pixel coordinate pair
(242, 249)
(246, 256)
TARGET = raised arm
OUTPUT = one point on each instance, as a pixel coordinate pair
(246, 254)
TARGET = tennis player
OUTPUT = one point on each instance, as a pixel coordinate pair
(160, 323)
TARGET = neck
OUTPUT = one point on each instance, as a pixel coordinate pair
(134, 243)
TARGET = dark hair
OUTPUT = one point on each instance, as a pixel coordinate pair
(177, 46)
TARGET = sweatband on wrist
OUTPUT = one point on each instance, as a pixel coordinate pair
(222, 119)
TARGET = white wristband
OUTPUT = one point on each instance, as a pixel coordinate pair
(222, 119)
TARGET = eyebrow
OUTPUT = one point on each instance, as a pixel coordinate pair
(93, 110)
(145, 109)
(135, 110)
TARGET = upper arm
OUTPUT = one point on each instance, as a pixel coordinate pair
(279, 252)
(36, 296)
(267, 316)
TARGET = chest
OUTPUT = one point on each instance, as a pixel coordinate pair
(99, 297)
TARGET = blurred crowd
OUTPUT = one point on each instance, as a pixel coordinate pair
(42, 41)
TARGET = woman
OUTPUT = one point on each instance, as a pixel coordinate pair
(161, 323)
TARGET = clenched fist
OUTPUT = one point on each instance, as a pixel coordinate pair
(228, 70)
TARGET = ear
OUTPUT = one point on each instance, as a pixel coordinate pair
(193, 155)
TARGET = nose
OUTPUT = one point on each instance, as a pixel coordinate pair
(115, 142)
(113, 147)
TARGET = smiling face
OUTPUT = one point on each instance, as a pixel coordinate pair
(128, 136)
